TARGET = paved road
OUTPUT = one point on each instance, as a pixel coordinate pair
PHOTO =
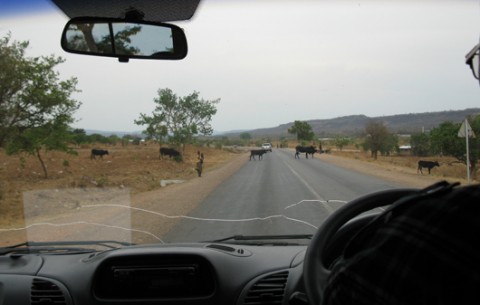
(277, 195)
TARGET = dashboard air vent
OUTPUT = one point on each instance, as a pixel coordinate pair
(268, 290)
(45, 292)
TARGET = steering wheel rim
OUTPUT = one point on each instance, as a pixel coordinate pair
(315, 273)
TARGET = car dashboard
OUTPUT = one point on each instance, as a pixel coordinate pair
(198, 273)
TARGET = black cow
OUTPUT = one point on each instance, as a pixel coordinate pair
(257, 152)
(98, 152)
(426, 164)
(170, 152)
(308, 150)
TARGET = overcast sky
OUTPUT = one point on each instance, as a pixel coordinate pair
(313, 60)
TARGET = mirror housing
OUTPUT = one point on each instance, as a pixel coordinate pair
(473, 60)
(124, 39)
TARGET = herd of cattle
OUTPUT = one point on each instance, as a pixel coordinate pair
(164, 151)
(308, 150)
(311, 150)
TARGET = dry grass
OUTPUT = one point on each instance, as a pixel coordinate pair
(135, 167)
(449, 168)
(139, 169)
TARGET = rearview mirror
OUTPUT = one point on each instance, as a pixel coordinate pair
(123, 39)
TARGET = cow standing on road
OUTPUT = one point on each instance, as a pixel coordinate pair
(305, 149)
(257, 152)
(426, 164)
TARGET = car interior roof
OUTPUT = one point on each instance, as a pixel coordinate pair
(160, 10)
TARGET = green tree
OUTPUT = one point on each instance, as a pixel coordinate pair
(97, 138)
(245, 136)
(445, 141)
(421, 144)
(52, 135)
(340, 142)
(178, 119)
(389, 145)
(303, 130)
(35, 105)
(378, 138)
(113, 139)
(127, 139)
(79, 136)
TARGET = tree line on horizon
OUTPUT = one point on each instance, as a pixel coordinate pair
(442, 140)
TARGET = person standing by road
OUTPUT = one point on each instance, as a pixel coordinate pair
(199, 166)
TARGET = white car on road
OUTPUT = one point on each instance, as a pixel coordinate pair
(267, 146)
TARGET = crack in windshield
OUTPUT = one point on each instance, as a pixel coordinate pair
(81, 223)
(76, 215)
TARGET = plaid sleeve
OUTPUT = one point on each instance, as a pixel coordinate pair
(425, 255)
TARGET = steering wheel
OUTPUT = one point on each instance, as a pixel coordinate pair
(315, 273)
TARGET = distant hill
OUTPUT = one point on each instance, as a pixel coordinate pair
(355, 124)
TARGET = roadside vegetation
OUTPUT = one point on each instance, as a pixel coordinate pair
(36, 107)
(379, 144)
(133, 167)
(40, 149)
(177, 120)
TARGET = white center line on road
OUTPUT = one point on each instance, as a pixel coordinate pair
(312, 190)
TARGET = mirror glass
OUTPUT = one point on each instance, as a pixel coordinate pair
(124, 39)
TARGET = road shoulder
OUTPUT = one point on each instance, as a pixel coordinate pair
(402, 175)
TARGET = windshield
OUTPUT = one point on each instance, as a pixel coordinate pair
(281, 112)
